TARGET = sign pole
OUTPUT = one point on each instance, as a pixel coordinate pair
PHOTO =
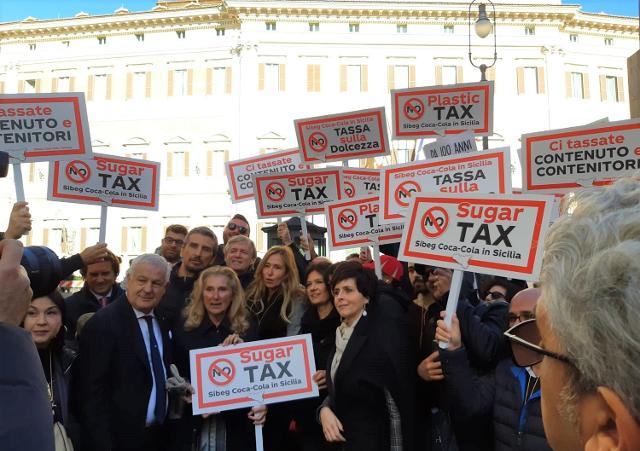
(303, 226)
(17, 179)
(259, 444)
(103, 224)
(452, 301)
(376, 260)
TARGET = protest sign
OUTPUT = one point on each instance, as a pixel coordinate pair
(295, 193)
(449, 145)
(445, 109)
(247, 374)
(488, 171)
(491, 234)
(358, 182)
(563, 160)
(355, 222)
(357, 134)
(43, 127)
(240, 172)
(106, 179)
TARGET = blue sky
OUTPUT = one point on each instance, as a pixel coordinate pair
(11, 10)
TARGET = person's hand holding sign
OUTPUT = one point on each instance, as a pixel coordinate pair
(451, 334)
(232, 339)
(430, 369)
(19, 221)
(258, 414)
(331, 426)
(320, 378)
(283, 234)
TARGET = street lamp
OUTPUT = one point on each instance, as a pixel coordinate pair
(483, 26)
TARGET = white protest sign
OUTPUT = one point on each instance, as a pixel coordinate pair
(488, 171)
(358, 182)
(355, 222)
(240, 172)
(295, 193)
(357, 134)
(449, 145)
(429, 111)
(271, 371)
(106, 179)
(559, 161)
(43, 127)
(491, 234)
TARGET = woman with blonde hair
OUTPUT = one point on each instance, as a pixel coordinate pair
(215, 315)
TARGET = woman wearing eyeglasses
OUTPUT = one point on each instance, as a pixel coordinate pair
(510, 394)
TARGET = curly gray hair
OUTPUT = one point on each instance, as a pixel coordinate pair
(591, 290)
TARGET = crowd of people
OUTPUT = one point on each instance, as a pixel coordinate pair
(550, 366)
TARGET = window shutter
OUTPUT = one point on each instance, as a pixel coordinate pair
(520, 80)
(169, 164)
(412, 76)
(72, 84)
(620, 88)
(309, 77)
(317, 77)
(585, 85)
(129, 85)
(281, 73)
(459, 77)
(226, 155)
(32, 172)
(491, 73)
(170, 83)
(541, 80)
(567, 85)
(147, 84)
(186, 164)
(123, 240)
(143, 237)
(38, 82)
(343, 78)
(1, 87)
(209, 163)
(603, 87)
(108, 94)
(209, 88)
(391, 77)
(90, 84)
(54, 84)
(228, 80)
(261, 77)
(45, 236)
(83, 237)
(189, 82)
(364, 78)
(438, 75)
(20, 86)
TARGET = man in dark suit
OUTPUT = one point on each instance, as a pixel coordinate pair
(125, 358)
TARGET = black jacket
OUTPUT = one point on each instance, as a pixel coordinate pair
(176, 297)
(83, 302)
(116, 378)
(517, 422)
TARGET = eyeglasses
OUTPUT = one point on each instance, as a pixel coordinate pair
(526, 352)
(171, 241)
(523, 316)
(494, 295)
(232, 226)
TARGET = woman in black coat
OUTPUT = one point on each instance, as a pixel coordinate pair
(369, 405)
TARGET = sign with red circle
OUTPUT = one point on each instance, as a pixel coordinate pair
(78, 171)
(349, 189)
(347, 219)
(221, 372)
(413, 109)
(404, 192)
(275, 191)
(434, 222)
(318, 142)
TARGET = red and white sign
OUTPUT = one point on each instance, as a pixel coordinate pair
(240, 172)
(355, 222)
(448, 146)
(488, 171)
(359, 182)
(294, 193)
(121, 182)
(491, 234)
(45, 126)
(559, 161)
(449, 109)
(357, 134)
(258, 372)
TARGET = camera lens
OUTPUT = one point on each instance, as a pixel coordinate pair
(43, 268)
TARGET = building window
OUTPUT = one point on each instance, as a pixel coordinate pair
(139, 37)
(573, 37)
(448, 29)
(135, 244)
(215, 163)
(30, 86)
(398, 77)
(611, 88)
(219, 31)
(354, 78)
(65, 43)
(32, 46)
(272, 77)
(100, 86)
(530, 79)
(63, 84)
(450, 75)
(313, 77)
(314, 26)
(181, 34)
(102, 40)
(530, 30)
(271, 26)
(219, 80)
(354, 28)
(139, 85)
(401, 28)
(178, 164)
(179, 82)
(608, 42)
(577, 85)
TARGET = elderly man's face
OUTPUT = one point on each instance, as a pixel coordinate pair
(145, 286)
(562, 433)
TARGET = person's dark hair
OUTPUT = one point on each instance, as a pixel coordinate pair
(111, 257)
(58, 341)
(352, 256)
(320, 267)
(242, 218)
(204, 231)
(501, 282)
(366, 280)
(177, 228)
